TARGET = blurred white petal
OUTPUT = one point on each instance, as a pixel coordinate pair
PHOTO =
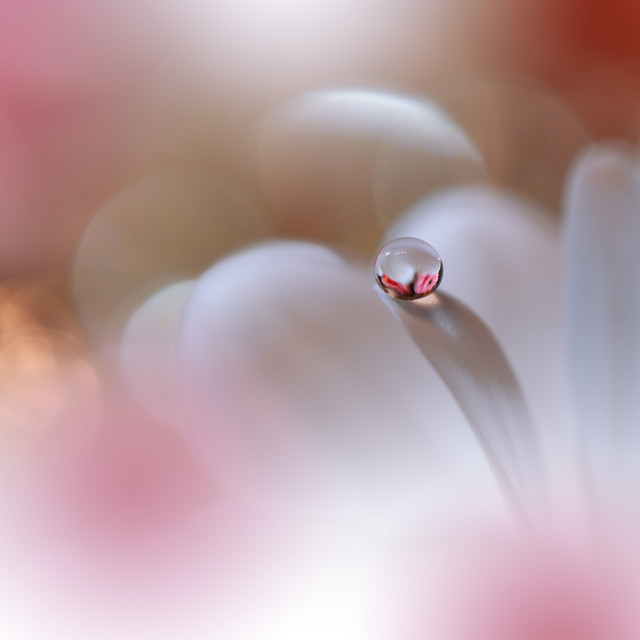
(260, 47)
(162, 229)
(603, 268)
(333, 162)
(148, 352)
(526, 134)
(289, 358)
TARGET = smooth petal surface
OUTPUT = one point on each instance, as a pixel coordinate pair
(470, 362)
(603, 268)
(289, 358)
(502, 258)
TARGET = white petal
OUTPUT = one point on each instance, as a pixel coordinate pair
(148, 352)
(502, 258)
(603, 229)
(162, 229)
(527, 136)
(471, 363)
(333, 160)
(288, 354)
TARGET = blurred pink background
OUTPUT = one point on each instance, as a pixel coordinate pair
(204, 417)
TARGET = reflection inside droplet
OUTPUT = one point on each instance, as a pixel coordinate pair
(408, 268)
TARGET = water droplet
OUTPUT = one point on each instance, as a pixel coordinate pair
(408, 268)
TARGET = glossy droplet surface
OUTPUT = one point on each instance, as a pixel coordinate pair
(408, 268)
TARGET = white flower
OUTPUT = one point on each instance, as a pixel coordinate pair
(287, 357)
(320, 425)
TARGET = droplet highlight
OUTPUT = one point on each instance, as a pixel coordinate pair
(408, 268)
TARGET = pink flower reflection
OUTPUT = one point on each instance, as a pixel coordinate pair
(425, 282)
(398, 287)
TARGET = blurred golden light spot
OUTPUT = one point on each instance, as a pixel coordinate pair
(49, 398)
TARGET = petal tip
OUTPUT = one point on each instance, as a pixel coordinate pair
(605, 163)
